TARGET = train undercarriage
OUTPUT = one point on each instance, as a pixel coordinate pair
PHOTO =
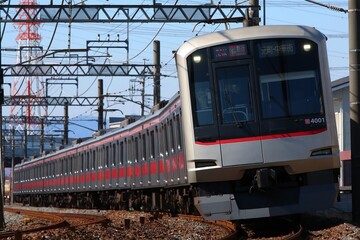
(174, 200)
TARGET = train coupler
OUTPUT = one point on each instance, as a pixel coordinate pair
(264, 179)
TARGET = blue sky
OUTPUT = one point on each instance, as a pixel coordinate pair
(171, 35)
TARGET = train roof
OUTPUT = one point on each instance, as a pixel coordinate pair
(157, 113)
(249, 33)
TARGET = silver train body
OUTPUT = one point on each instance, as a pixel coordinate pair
(253, 136)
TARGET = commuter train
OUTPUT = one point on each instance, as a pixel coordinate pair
(251, 134)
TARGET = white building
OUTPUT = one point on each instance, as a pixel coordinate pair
(340, 90)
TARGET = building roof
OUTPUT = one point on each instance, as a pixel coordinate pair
(340, 83)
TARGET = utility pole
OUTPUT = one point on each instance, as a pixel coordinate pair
(354, 61)
(2, 219)
(100, 105)
(12, 165)
(252, 16)
(41, 136)
(66, 123)
(143, 92)
(157, 72)
(25, 139)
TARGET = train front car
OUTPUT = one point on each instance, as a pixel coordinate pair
(259, 128)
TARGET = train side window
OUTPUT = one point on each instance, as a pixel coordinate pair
(121, 153)
(107, 154)
(114, 150)
(157, 142)
(171, 133)
(136, 149)
(71, 164)
(127, 152)
(93, 160)
(152, 144)
(61, 163)
(166, 139)
(130, 151)
(178, 131)
(66, 162)
(161, 141)
(57, 167)
(44, 171)
(100, 159)
(87, 161)
(144, 157)
(82, 162)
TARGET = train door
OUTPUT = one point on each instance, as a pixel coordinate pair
(238, 124)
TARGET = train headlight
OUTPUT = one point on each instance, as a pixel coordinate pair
(307, 47)
(197, 59)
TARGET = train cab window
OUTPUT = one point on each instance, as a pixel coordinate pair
(289, 78)
(200, 89)
(234, 94)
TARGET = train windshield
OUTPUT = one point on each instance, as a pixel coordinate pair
(254, 88)
(289, 78)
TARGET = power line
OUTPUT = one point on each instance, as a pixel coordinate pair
(331, 7)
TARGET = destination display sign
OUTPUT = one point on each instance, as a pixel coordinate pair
(277, 48)
(230, 51)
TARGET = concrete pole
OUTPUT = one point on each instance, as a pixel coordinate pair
(66, 123)
(100, 105)
(354, 60)
(157, 72)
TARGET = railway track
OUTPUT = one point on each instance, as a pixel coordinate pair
(72, 221)
(57, 220)
(271, 228)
